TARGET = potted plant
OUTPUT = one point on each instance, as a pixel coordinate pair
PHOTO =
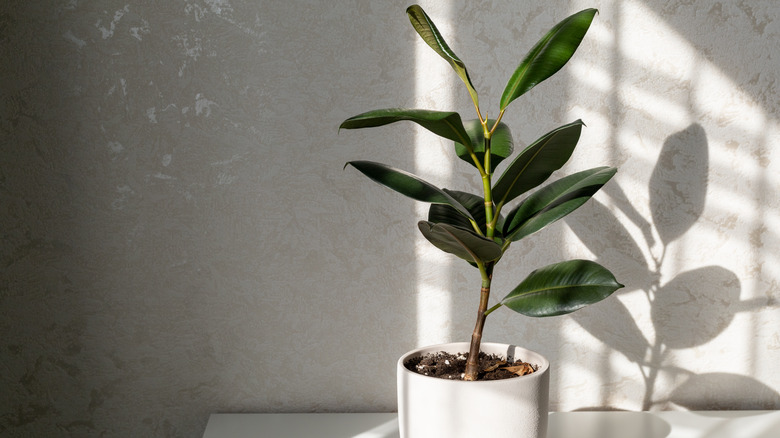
(480, 228)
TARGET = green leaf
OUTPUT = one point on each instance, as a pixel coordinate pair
(446, 124)
(427, 30)
(537, 162)
(548, 55)
(562, 288)
(475, 204)
(439, 213)
(461, 242)
(501, 145)
(407, 184)
(555, 201)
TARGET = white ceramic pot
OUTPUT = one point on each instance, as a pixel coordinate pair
(429, 407)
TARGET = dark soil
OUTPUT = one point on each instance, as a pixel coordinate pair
(453, 366)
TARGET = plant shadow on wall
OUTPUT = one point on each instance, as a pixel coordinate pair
(688, 310)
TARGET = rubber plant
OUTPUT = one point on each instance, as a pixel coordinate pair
(480, 228)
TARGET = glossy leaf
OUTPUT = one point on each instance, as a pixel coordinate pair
(501, 145)
(461, 242)
(407, 184)
(561, 288)
(443, 123)
(555, 201)
(551, 53)
(537, 162)
(430, 34)
(439, 213)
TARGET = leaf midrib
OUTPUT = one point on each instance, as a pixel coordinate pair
(550, 289)
(521, 74)
(522, 171)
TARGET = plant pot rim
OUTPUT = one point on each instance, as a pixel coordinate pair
(543, 364)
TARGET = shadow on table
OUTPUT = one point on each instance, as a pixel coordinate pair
(616, 425)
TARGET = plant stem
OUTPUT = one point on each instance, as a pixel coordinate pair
(472, 364)
(489, 222)
(486, 185)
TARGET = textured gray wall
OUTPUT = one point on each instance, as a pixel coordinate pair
(178, 236)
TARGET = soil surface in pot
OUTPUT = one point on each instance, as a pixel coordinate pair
(453, 366)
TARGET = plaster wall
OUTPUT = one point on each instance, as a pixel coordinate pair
(179, 238)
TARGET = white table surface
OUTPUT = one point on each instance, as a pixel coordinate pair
(668, 424)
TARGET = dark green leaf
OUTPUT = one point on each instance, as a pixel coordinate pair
(555, 201)
(407, 184)
(535, 164)
(461, 242)
(500, 143)
(561, 288)
(427, 30)
(439, 213)
(548, 55)
(443, 123)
